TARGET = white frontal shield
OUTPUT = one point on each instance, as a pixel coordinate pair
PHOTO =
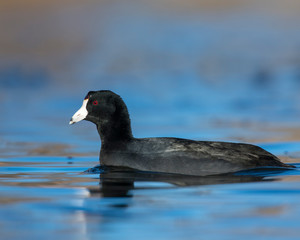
(80, 114)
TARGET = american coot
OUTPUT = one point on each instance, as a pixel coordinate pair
(169, 155)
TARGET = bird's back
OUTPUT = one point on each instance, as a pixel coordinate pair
(182, 156)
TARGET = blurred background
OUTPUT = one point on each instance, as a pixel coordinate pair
(212, 70)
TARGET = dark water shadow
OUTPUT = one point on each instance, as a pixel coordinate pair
(118, 182)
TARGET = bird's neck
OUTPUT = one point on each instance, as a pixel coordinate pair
(115, 132)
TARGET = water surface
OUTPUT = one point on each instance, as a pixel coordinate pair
(42, 197)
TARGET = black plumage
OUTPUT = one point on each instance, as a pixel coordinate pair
(169, 155)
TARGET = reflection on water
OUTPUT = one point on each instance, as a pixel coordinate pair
(45, 196)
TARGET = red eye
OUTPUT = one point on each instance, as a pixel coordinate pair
(95, 102)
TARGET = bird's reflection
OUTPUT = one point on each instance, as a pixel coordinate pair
(115, 187)
(118, 182)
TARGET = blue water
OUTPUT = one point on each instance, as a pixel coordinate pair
(199, 70)
(51, 196)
